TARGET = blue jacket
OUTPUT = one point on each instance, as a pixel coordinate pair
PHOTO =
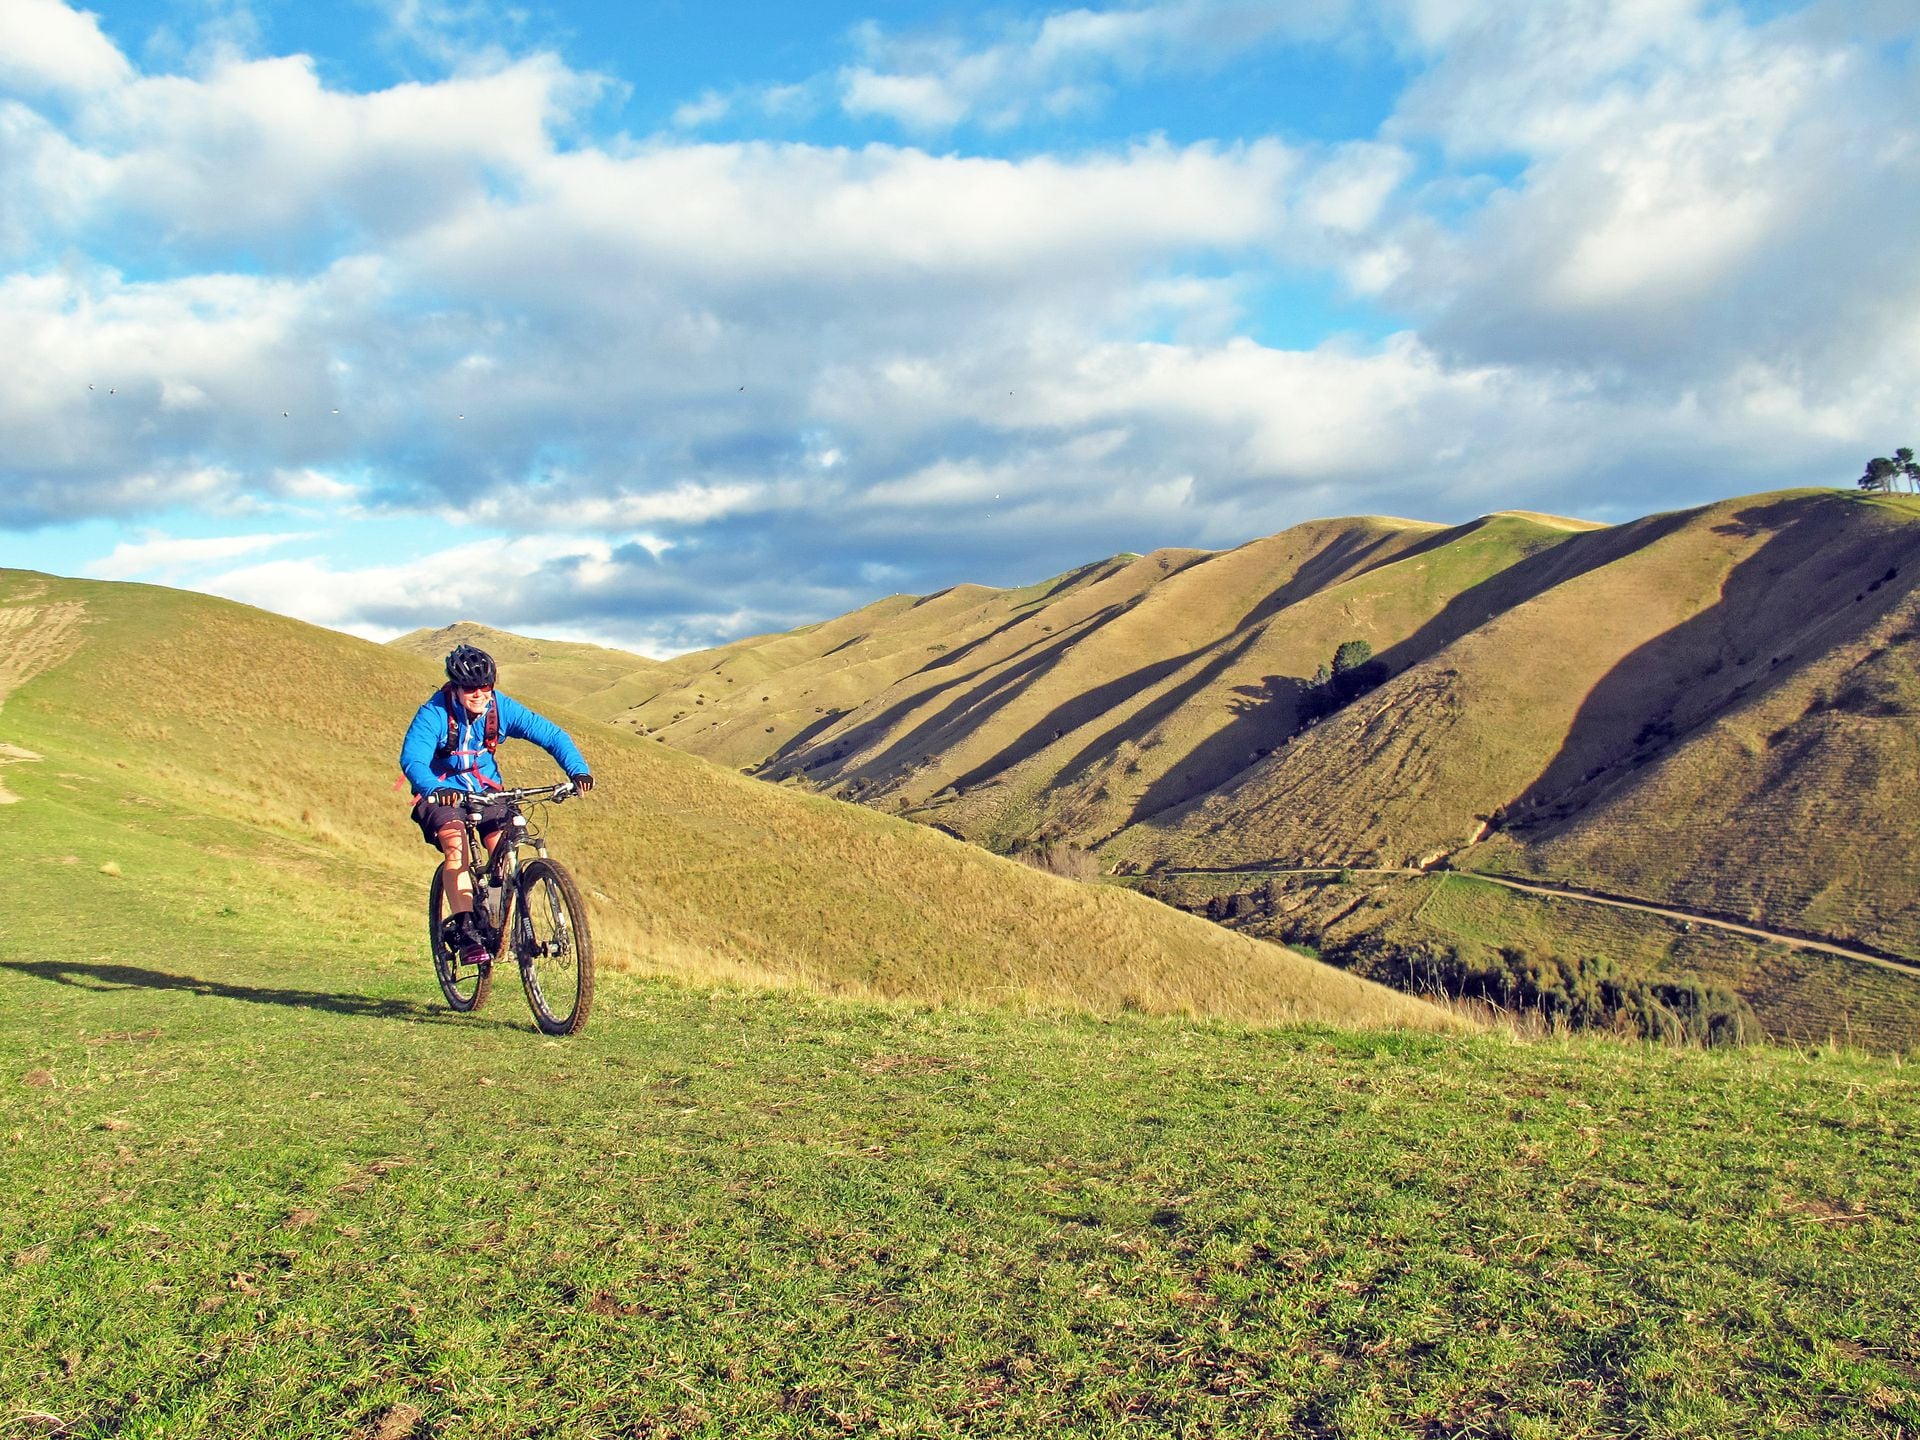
(429, 765)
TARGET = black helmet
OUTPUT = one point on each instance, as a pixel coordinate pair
(470, 668)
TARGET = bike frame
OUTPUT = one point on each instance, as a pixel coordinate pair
(506, 862)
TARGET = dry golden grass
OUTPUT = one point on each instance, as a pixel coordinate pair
(1069, 710)
(286, 735)
(566, 670)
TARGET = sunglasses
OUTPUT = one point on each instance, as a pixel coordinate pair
(473, 689)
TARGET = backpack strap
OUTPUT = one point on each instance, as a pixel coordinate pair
(492, 740)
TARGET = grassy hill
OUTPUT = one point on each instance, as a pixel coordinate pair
(566, 670)
(1074, 708)
(1719, 708)
(221, 756)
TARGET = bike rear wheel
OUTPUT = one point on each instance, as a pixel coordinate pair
(465, 986)
(554, 947)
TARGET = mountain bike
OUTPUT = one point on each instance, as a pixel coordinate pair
(530, 911)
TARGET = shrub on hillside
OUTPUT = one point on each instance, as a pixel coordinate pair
(1056, 857)
(1585, 993)
(1354, 671)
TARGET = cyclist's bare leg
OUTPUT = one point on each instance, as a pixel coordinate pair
(455, 884)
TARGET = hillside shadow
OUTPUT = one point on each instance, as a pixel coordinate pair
(1150, 715)
(954, 657)
(1070, 715)
(1347, 553)
(1091, 570)
(1740, 647)
(984, 698)
(1266, 717)
(97, 976)
(803, 738)
(1263, 716)
(1524, 580)
(1349, 556)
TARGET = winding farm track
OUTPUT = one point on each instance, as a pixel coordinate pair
(1895, 963)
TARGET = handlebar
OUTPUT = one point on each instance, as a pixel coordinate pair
(537, 794)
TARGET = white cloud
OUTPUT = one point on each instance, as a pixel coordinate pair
(686, 503)
(557, 586)
(920, 102)
(459, 580)
(262, 147)
(930, 83)
(711, 106)
(170, 557)
(46, 45)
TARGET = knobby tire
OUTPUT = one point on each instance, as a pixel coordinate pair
(554, 947)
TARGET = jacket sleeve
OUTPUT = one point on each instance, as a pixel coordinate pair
(424, 735)
(521, 723)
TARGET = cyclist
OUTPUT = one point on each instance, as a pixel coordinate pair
(447, 756)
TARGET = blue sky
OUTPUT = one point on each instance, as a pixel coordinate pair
(662, 324)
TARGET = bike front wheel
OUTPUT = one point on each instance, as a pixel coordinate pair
(466, 988)
(554, 947)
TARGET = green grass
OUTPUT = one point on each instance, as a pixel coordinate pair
(264, 1186)
(258, 1182)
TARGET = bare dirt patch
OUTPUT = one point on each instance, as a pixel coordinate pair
(398, 1422)
(364, 1179)
(1819, 1211)
(32, 637)
(11, 754)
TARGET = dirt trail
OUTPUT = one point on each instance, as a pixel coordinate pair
(32, 637)
(1591, 897)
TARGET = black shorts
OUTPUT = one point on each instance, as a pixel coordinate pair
(432, 818)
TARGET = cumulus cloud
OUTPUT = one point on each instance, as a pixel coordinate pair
(48, 46)
(1693, 203)
(625, 593)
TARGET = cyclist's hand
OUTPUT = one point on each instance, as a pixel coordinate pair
(447, 797)
(582, 782)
